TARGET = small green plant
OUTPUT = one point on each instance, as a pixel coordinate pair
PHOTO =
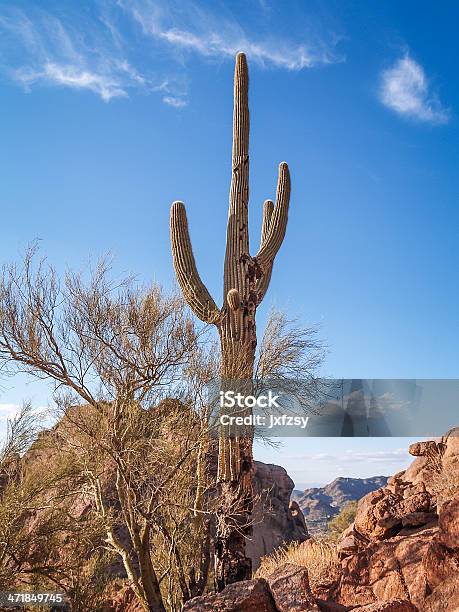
(339, 523)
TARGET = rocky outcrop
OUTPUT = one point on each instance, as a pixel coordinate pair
(245, 596)
(384, 512)
(276, 520)
(391, 568)
(286, 590)
(404, 542)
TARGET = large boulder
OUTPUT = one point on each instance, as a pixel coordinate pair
(276, 520)
(289, 586)
(383, 513)
(448, 524)
(428, 448)
(439, 563)
(387, 569)
(445, 598)
(245, 596)
(442, 557)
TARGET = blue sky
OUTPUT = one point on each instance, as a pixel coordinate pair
(112, 110)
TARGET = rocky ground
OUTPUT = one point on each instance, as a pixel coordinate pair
(400, 555)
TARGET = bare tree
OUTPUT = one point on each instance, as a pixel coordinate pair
(114, 354)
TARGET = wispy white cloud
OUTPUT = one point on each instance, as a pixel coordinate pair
(74, 77)
(395, 456)
(174, 101)
(47, 51)
(405, 89)
(193, 28)
(103, 54)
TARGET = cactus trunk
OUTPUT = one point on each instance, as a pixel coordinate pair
(246, 281)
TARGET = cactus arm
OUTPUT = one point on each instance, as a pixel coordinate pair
(268, 250)
(268, 209)
(263, 282)
(237, 241)
(194, 291)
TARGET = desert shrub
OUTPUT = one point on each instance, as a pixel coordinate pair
(339, 523)
(444, 481)
(318, 556)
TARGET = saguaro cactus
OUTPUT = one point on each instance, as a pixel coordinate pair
(246, 280)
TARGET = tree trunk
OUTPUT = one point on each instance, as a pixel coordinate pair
(148, 576)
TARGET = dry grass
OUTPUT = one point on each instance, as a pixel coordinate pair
(318, 556)
(445, 485)
(444, 481)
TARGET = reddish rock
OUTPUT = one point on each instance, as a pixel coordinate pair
(424, 449)
(382, 513)
(417, 519)
(440, 563)
(445, 598)
(245, 596)
(289, 586)
(412, 489)
(448, 524)
(393, 605)
(417, 470)
(385, 570)
(419, 502)
(371, 509)
(347, 545)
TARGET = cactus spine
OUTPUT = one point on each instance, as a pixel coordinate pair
(246, 280)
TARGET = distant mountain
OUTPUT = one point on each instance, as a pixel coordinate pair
(320, 504)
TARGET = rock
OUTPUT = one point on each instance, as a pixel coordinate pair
(297, 515)
(417, 519)
(350, 542)
(380, 514)
(415, 471)
(393, 605)
(366, 519)
(245, 596)
(445, 598)
(348, 531)
(289, 586)
(448, 524)
(419, 502)
(396, 477)
(439, 563)
(388, 569)
(412, 489)
(275, 521)
(347, 545)
(331, 606)
(424, 449)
